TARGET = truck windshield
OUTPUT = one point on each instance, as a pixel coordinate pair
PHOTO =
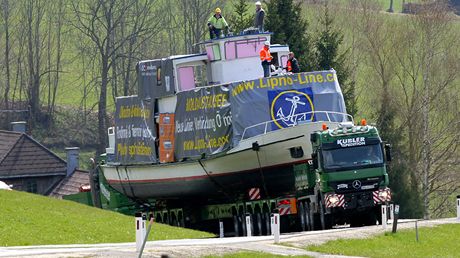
(353, 157)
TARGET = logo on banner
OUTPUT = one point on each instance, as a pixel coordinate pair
(291, 107)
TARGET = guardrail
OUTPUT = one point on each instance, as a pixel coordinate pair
(342, 117)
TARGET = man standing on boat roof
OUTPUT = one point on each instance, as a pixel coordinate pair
(259, 18)
(266, 58)
(216, 23)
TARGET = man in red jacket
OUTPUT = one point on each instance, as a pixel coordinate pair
(266, 58)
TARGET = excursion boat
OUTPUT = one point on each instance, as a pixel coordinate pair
(209, 125)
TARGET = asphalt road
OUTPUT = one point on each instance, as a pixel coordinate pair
(292, 244)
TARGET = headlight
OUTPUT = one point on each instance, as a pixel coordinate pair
(333, 199)
(383, 194)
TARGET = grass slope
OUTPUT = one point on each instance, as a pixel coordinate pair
(29, 219)
(441, 241)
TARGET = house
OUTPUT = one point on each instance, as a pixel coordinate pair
(29, 166)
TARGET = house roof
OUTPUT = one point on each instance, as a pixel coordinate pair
(71, 184)
(22, 156)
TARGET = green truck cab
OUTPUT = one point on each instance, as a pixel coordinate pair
(346, 180)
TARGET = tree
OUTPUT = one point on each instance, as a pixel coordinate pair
(284, 19)
(240, 19)
(327, 56)
(99, 21)
(6, 18)
(378, 45)
(427, 65)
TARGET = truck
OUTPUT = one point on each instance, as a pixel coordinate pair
(208, 140)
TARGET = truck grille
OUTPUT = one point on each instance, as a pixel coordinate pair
(362, 184)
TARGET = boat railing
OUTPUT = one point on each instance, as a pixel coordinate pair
(297, 119)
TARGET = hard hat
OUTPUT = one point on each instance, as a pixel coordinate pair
(267, 43)
(217, 10)
(258, 3)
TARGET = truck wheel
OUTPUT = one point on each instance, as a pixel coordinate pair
(302, 216)
(326, 220)
(311, 216)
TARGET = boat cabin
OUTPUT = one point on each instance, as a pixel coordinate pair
(224, 60)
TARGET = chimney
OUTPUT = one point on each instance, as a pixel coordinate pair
(19, 126)
(72, 159)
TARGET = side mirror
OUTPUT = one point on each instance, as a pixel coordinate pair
(314, 158)
(388, 151)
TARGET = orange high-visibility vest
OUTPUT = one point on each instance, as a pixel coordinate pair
(265, 55)
(289, 66)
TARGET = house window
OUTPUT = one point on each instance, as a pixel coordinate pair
(31, 186)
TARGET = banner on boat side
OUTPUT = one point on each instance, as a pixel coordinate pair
(203, 122)
(135, 132)
(273, 103)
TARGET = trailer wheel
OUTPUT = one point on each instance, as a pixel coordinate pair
(258, 218)
(236, 225)
(268, 228)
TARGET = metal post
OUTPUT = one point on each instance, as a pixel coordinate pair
(391, 213)
(144, 223)
(139, 233)
(146, 236)
(276, 227)
(248, 225)
(221, 229)
(416, 231)
(395, 218)
(458, 207)
(272, 224)
(384, 216)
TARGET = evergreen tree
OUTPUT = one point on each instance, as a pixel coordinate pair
(240, 19)
(327, 56)
(284, 19)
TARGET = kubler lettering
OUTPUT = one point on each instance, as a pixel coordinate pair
(358, 141)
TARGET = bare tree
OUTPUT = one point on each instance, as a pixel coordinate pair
(427, 71)
(99, 21)
(195, 14)
(6, 19)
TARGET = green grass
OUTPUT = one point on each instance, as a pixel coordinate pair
(252, 255)
(28, 219)
(440, 241)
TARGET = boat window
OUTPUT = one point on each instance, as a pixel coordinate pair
(186, 78)
(243, 48)
(213, 52)
(284, 59)
(201, 78)
(248, 48)
(230, 50)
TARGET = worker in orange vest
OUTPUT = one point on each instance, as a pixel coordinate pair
(266, 58)
(292, 64)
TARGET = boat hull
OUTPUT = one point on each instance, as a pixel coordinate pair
(225, 176)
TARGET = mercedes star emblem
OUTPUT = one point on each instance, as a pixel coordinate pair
(356, 184)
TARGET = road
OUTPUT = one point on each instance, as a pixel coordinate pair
(292, 244)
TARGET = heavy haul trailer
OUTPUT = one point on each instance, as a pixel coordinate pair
(208, 138)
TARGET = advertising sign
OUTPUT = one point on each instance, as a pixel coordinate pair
(203, 122)
(273, 103)
(135, 132)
